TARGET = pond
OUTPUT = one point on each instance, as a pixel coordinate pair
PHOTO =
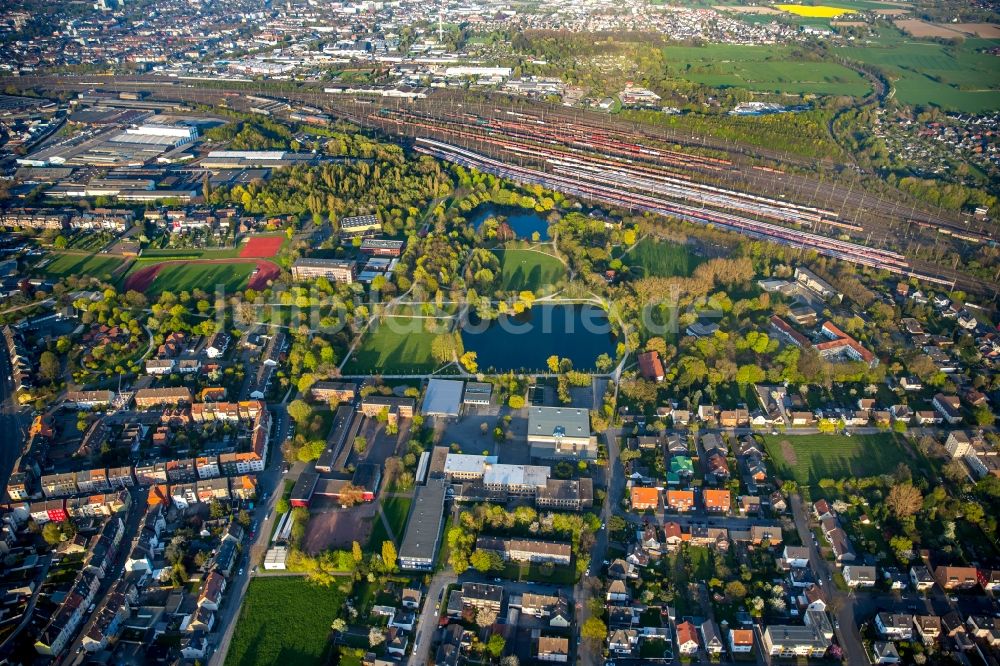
(523, 221)
(580, 333)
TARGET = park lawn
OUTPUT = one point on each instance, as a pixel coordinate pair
(93, 265)
(284, 620)
(928, 73)
(528, 270)
(761, 68)
(396, 510)
(186, 277)
(808, 458)
(396, 345)
(661, 259)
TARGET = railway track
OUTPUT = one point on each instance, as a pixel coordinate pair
(638, 158)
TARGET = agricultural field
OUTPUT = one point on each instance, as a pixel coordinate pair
(284, 620)
(660, 259)
(928, 73)
(761, 68)
(396, 345)
(809, 458)
(90, 265)
(528, 269)
(814, 11)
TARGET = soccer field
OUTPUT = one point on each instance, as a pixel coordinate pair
(809, 458)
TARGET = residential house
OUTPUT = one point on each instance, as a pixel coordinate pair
(687, 639)
(741, 641)
(885, 652)
(680, 500)
(643, 499)
(949, 406)
(717, 501)
(794, 641)
(859, 576)
(553, 648)
(711, 638)
(928, 627)
(894, 626)
(956, 578)
(921, 577)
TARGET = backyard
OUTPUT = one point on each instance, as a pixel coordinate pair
(284, 620)
(808, 458)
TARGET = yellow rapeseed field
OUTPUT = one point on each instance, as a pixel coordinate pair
(815, 11)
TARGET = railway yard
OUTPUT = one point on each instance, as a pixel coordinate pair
(759, 193)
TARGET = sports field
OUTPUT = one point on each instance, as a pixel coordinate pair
(661, 259)
(233, 274)
(761, 68)
(809, 458)
(927, 73)
(265, 246)
(82, 265)
(528, 269)
(397, 345)
(284, 620)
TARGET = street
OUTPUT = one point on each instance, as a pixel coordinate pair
(270, 481)
(13, 421)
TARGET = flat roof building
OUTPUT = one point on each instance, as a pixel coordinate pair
(477, 393)
(338, 270)
(423, 529)
(560, 432)
(443, 398)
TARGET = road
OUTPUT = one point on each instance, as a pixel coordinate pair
(840, 603)
(270, 482)
(13, 420)
(427, 624)
(75, 654)
(29, 610)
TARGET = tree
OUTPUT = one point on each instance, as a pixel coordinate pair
(955, 471)
(282, 506)
(736, 590)
(553, 363)
(904, 500)
(389, 555)
(486, 617)
(983, 415)
(360, 444)
(495, 645)
(593, 629)
(603, 363)
(216, 510)
(485, 561)
(52, 534)
(375, 637)
(350, 495)
(356, 551)
(339, 625)
(515, 401)
(300, 411)
(48, 366)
